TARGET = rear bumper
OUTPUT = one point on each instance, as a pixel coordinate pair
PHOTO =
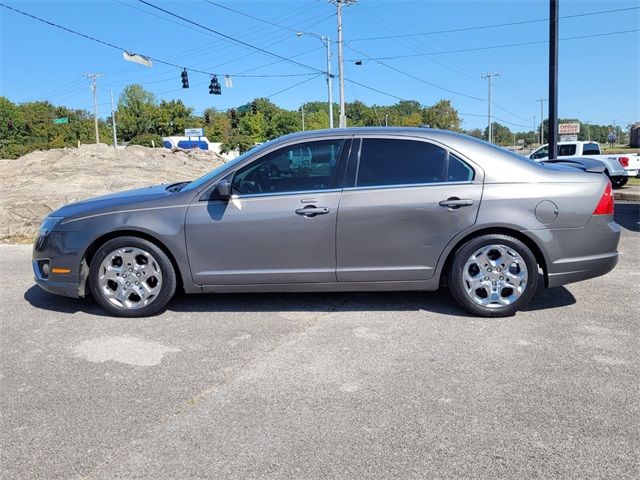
(576, 254)
(576, 270)
(631, 173)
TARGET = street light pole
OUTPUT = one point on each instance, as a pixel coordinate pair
(326, 41)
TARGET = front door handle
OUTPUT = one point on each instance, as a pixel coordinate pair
(455, 202)
(312, 211)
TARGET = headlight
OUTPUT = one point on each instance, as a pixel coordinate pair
(47, 225)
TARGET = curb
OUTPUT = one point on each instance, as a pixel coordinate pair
(630, 194)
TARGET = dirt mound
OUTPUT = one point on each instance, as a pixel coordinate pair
(42, 181)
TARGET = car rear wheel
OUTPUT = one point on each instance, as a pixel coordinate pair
(619, 182)
(131, 277)
(493, 275)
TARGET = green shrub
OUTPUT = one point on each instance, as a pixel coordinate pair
(145, 140)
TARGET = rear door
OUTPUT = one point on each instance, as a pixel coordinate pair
(404, 201)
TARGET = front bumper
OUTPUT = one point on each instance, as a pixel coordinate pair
(56, 250)
(65, 288)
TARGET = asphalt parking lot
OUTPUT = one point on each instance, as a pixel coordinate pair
(367, 385)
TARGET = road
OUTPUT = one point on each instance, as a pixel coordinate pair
(368, 385)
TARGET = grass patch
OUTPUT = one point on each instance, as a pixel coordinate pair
(634, 181)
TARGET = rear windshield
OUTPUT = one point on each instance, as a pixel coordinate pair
(591, 149)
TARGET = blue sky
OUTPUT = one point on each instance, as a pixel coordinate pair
(598, 77)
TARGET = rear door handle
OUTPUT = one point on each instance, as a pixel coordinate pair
(455, 202)
(311, 211)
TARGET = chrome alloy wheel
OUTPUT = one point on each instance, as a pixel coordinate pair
(130, 278)
(495, 276)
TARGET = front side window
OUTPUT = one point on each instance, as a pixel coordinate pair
(386, 162)
(566, 150)
(301, 167)
(541, 153)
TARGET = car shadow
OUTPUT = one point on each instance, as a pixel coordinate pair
(440, 302)
(627, 215)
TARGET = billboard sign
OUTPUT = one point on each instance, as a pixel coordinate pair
(568, 138)
(194, 132)
(569, 128)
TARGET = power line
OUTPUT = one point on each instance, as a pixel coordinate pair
(253, 17)
(232, 39)
(535, 42)
(422, 80)
(122, 49)
(496, 25)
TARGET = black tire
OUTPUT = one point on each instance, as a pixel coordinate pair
(619, 182)
(168, 277)
(458, 286)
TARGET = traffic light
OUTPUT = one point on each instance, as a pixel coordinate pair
(233, 113)
(254, 107)
(185, 78)
(207, 118)
(214, 86)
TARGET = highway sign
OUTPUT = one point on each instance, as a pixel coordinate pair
(569, 128)
(194, 132)
(59, 121)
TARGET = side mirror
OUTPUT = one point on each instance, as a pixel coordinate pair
(223, 190)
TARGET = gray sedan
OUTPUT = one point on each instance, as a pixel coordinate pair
(341, 210)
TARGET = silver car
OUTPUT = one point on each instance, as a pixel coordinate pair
(358, 209)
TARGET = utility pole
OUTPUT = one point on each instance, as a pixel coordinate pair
(302, 110)
(386, 120)
(490, 77)
(326, 41)
(113, 122)
(339, 4)
(553, 79)
(93, 77)
(588, 129)
(541, 100)
(615, 127)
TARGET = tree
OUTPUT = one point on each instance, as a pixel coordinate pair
(136, 112)
(171, 118)
(501, 134)
(442, 115)
(477, 133)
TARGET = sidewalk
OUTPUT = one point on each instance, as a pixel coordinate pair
(628, 192)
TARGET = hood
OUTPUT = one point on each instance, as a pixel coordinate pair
(113, 201)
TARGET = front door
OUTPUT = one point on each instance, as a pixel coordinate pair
(280, 225)
(407, 200)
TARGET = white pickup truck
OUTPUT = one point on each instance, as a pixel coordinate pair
(619, 168)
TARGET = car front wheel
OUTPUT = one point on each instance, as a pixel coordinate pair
(493, 275)
(131, 277)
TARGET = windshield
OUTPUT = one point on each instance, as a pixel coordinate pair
(229, 165)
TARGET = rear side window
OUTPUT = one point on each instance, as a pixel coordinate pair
(566, 150)
(385, 162)
(591, 149)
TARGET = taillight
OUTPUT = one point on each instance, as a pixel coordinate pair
(605, 205)
(624, 161)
